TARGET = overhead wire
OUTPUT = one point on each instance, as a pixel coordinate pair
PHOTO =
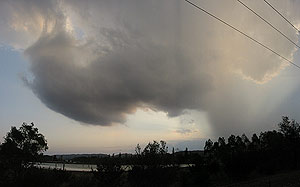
(281, 15)
(241, 32)
(267, 22)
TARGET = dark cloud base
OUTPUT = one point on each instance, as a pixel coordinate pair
(104, 91)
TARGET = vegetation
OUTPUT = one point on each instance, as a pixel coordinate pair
(20, 148)
(267, 153)
(230, 161)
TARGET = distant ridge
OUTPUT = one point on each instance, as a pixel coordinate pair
(101, 155)
(71, 156)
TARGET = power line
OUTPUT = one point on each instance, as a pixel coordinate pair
(268, 23)
(241, 32)
(281, 15)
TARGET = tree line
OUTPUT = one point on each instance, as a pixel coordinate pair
(269, 152)
(224, 161)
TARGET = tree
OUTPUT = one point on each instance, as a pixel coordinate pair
(154, 153)
(208, 146)
(22, 146)
(289, 128)
(163, 149)
(155, 148)
(232, 141)
(246, 140)
(291, 131)
(221, 142)
(138, 149)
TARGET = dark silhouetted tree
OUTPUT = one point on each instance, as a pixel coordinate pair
(291, 131)
(289, 128)
(20, 148)
(208, 146)
(23, 145)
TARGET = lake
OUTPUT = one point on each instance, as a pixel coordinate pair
(85, 167)
(68, 167)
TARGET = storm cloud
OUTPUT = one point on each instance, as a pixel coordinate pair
(98, 61)
(128, 76)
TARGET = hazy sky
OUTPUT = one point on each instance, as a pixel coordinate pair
(102, 76)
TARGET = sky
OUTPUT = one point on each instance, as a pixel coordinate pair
(101, 76)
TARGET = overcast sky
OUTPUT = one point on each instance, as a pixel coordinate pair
(102, 76)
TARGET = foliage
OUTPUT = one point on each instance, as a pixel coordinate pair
(271, 151)
(20, 147)
(155, 148)
(223, 161)
(27, 139)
